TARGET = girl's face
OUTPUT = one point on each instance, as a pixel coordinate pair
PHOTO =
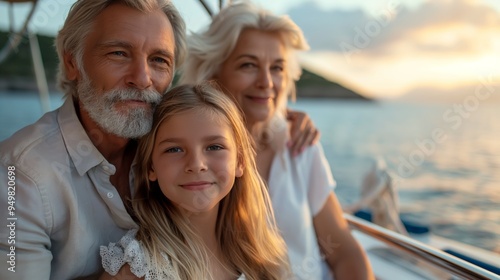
(194, 160)
(255, 73)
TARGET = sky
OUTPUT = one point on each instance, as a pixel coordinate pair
(415, 49)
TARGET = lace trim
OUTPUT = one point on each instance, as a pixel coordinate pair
(130, 251)
(127, 250)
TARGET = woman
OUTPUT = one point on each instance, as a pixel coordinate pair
(250, 53)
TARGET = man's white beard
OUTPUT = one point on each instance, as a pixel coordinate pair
(131, 123)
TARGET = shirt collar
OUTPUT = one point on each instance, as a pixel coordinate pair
(80, 148)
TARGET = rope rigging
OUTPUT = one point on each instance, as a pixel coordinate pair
(15, 37)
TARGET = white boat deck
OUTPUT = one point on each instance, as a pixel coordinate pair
(395, 256)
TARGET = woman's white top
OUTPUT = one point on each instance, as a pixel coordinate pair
(299, 187)
(131, 251)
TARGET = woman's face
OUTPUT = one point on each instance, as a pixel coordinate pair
(255, 74)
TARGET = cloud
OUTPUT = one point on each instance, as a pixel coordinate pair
(444, 27)
(441, 44)
(325, 29)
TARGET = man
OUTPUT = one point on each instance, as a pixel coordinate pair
(70, 170)
(69, 174)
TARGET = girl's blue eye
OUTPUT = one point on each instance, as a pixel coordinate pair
(173, 150)
(215, 147)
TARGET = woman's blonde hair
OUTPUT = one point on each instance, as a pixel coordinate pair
(245, 227)
(208, 50)
(80, 22)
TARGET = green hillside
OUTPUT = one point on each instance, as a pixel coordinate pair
(19, 63)
(16, 72)
(309, 78)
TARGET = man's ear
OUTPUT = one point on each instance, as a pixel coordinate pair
(72, 72)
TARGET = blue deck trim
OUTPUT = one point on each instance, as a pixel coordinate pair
(411, 227)
(479, 263)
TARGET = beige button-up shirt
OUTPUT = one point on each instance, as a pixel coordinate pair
(60, 205)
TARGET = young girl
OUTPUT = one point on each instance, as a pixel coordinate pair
(201, 207)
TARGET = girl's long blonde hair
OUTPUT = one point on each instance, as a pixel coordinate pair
(245, 227)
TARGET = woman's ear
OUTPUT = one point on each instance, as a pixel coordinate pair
(72, 71)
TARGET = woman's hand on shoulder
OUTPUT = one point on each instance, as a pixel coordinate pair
(303, 132)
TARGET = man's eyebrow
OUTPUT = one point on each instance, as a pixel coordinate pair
(110, 44)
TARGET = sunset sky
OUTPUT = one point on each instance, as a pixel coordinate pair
(425, 49)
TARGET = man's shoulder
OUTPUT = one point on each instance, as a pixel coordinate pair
(36, 139)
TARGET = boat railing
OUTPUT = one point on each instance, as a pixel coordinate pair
(438, 258)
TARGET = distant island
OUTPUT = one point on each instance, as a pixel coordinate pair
(16, 73)
(312, 85)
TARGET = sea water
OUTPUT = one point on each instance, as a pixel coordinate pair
(445, 162)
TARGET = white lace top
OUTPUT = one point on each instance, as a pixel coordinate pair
(130, 251)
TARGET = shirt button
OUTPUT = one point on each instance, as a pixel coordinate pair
(110, 195)
(105, 168)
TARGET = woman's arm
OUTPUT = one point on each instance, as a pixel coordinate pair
(344, 255)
